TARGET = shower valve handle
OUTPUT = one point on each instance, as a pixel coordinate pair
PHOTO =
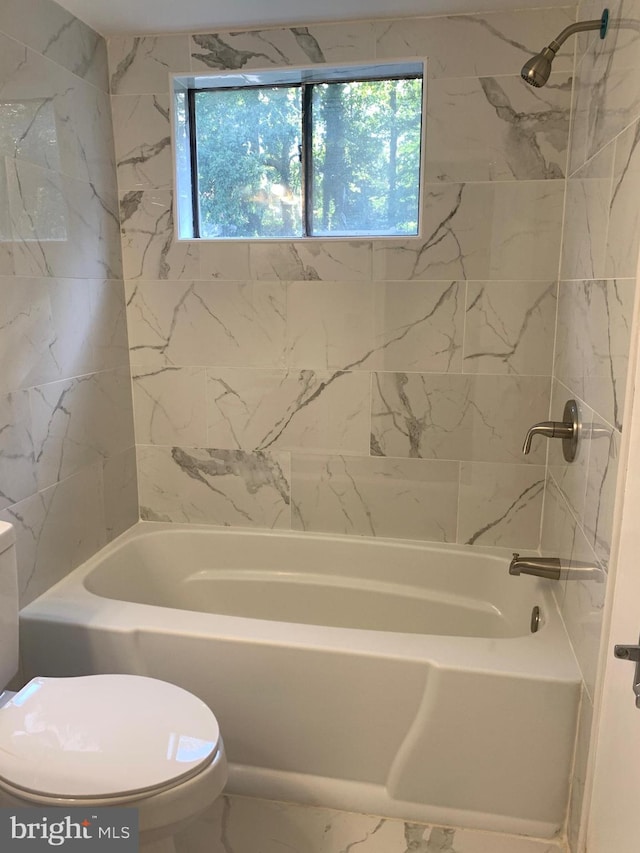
(566, 429)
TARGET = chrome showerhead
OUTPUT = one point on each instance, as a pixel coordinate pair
(536, 70)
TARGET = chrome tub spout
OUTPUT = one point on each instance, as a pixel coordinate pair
(555, 569)
(541, 567)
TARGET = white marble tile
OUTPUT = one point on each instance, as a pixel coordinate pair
(77, 422)
(150, 248)
(456, 237)
(582, 610)
(587, 217)
(38, 213)
(51, 30)
(623, 235)
(418, 326)
(592, 343)
(109, 324)
(245, 825)
(142, 64)
(479, 231)
(62, 226)
(509, 327)
(42, 338)
(606, 99)
(53, 119)
(342, 42)
(400, 498)
(500, 504)
(591, 10)
(329, 324)
(472, 418)
(558, 529)
(120, 493)
(571, 477)
(142, 129)
(26, 333)
(314, 260)
(169, 405)
(84, 133)
(289, 410)
(207, 323)
(600, 495)
(224, 260)
(476, 45)
(29, 85)
(73, 344)
(223, 487)
(494, 128)
(56, 530)
(17, 462)
(397, 325)
(526, 216)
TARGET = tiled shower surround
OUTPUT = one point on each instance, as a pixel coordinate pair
(384, 388)
(380, 388)
(67, 457)
(595, 310)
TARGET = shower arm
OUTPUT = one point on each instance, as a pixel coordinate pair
(578, 27)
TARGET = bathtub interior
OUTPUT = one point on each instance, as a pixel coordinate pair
(342, 582)
(458, 730)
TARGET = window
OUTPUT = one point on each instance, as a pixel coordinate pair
(294, 154)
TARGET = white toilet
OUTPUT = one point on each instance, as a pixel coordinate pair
(103, 740)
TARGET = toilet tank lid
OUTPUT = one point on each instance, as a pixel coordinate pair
(103, 736)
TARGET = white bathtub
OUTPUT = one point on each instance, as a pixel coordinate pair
(392, 678)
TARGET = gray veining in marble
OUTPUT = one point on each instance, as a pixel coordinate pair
(311, 261)
(52, 31)
(493, 128)
(65, 412)
(344, 42)
(406, 499)
(231, 323)
(500, 504)
(243, 825)
(291, 410)
(143, 141)
(472, 418)
(150, 249)
(476, 45)
(224, 487)
(141, 64)
(57, 529)
(510, 327)
(594, 365)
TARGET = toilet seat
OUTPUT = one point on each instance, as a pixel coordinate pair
(110, 738)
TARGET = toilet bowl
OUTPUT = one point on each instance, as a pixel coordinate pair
(104, 740)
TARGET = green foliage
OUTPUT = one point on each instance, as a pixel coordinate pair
(249, 175)
(366, 153)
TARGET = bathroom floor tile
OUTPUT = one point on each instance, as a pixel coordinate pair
(243, 825)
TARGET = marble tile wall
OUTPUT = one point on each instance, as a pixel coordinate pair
(67, 455)
(380, 388)
(595, 309)
(244, 825)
